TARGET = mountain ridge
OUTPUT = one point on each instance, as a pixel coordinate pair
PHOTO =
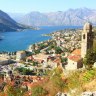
(8, 24)
(70, 17)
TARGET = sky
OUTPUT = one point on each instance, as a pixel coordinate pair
(25, 6)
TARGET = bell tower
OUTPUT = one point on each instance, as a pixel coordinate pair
(87, 39)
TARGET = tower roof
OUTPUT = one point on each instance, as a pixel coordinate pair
(88, 26)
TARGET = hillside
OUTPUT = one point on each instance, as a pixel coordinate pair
(69, 17)
(8, 24)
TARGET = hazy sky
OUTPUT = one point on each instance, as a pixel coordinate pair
(25, 6)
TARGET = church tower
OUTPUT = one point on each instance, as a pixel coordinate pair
(87, 39)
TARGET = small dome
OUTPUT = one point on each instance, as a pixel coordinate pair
(88, 26)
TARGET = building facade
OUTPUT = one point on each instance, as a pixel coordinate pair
(76, 57)
(20, 55)
(4, 61)
(74, 60)
(87, 39)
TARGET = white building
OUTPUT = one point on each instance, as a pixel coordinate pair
(4, 61)
(74, 60)
(20, 55)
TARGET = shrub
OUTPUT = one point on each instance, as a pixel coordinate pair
(39, 91)
(89, 75)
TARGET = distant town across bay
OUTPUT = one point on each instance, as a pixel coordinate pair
(14, 41)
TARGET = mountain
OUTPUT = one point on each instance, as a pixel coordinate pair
(8, 24)
(16, 16)
(70, 17)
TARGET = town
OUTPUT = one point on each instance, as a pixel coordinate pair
(65, 50)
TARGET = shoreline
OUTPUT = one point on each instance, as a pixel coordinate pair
(4, 52)
(45, 35)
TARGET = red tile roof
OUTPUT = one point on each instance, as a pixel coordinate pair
(76, 52)
(75, 55)
(74, 58)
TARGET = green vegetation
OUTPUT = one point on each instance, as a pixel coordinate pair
(35, 63)
(89, 75)
(28, 53)
(64, 60)
(79, 79)
(37, 51)
(73, 80)
(94, 45)
(56, 81)
(42, 46)
(58, 50)
(90, 59)
(15, 91)
(39, 91)
(25, 71)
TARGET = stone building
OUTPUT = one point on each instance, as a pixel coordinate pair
(74, 60)
(76, 57)
(4, 61)
(87, 39)
(20, 55)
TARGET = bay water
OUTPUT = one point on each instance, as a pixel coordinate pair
(14, 41)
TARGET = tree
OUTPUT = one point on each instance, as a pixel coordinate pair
(37, 51)
(63, 60)
(94, 45)
(28, 53)
(25, 71)
(35, 63)
(41, 46)
(58, 50)
(89, 59)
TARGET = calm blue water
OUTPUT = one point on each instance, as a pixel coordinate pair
(14, 41)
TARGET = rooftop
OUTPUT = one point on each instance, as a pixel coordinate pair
(3, 59)
(21, 52)
(75, 55)
(75, 58)
(40, 56)
(76, 52)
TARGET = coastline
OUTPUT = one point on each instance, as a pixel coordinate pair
(24, 39)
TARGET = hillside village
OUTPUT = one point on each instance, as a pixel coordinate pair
(64, 53)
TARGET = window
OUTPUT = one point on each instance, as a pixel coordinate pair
(84, 36)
